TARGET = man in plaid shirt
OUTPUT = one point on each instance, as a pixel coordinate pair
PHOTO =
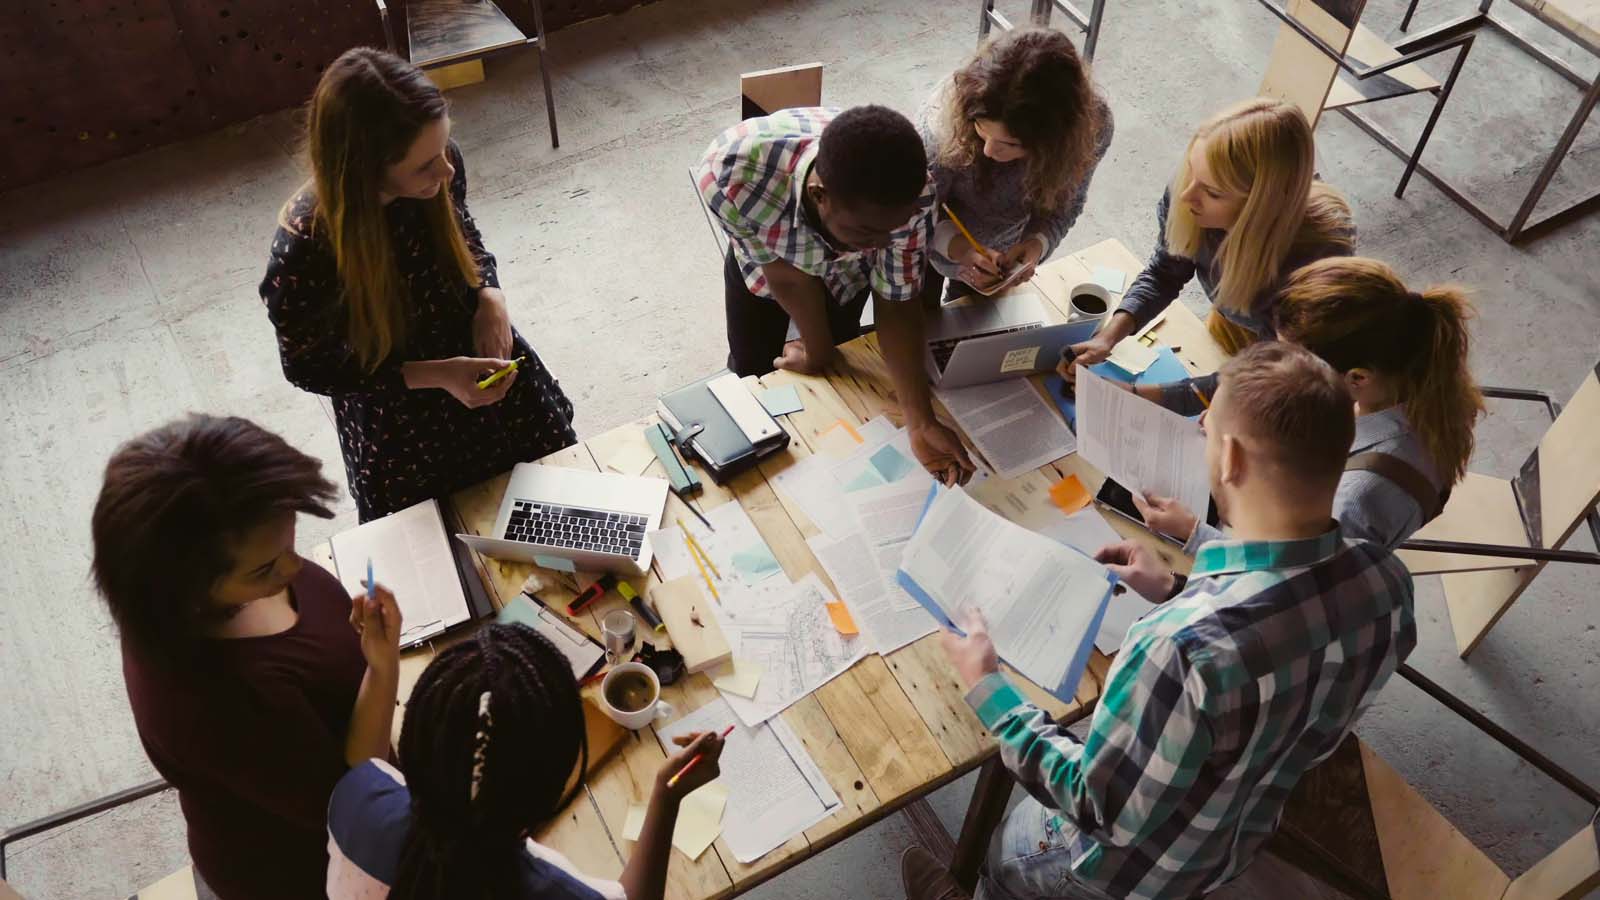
(1222, 696)
(821, 209)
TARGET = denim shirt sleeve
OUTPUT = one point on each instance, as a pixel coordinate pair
(1163, 277)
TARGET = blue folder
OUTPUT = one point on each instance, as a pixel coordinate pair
(1166, 368)
(1067, 690)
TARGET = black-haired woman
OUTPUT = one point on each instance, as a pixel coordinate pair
(251, 692)
(493, 730)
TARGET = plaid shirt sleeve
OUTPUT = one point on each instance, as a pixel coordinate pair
(897, 271)
(730, 182)
(1146, 743)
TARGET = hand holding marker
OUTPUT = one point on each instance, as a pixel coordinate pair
(490, 381)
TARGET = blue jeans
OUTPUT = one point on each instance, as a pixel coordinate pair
(1029, 859)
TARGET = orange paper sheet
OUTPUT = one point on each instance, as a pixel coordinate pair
(842, 620)
(1069, 494)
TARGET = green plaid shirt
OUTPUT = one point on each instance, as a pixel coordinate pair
(1219, 700)
(752, 177)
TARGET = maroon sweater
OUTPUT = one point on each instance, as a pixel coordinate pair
(253, 739)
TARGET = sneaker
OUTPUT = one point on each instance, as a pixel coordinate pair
(925, 878)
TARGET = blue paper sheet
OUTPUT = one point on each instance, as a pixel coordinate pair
(1166, 368)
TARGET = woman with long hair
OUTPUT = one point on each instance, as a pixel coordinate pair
(255, 680)
(1242, 212)
(492, 735)
(386, 301)
(1013, 137)
(1403, 354)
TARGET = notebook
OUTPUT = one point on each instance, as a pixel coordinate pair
(719, 422)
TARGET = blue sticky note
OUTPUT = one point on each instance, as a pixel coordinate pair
(1166, 368)
(891, 463)
(782, 400)
(756, 562)
(520, 611)
(867, 478)
(554, 562)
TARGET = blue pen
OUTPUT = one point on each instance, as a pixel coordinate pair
(370, 582)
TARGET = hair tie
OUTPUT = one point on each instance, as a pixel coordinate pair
(480, 750)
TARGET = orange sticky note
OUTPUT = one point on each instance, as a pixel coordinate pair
(1069, 494)
(842, 620)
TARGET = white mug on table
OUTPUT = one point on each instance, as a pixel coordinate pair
(633, 720)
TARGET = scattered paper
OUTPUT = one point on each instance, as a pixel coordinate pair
(1087, 531)
(773, 787)
(700, 819)
(1010, 424)
(633, 456)
(792, 637)
(840, 614)
(839, 440)
(1109, 278)
(736, 549)
(1140, 444)
(781, 400)
(634, 824)
(1069, 494)
(1132, 356)
(755, 563)
(741, 677)
(558, 563)
(809, 484)
(891, 464)
(865, 576)
(1166, 368)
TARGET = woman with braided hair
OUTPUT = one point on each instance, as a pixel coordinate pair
(492, 732)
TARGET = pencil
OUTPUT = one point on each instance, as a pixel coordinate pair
(688, 538)
(699, 515)
(689, 542)
(1203, 401)
(673, 781)
(964, 232)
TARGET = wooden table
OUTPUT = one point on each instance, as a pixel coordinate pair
(891, 729)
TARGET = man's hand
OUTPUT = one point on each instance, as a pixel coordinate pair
(1165, 514)
(491, 324)
(973, 655)
(796, 358)
(1139, 568)
(940, 451)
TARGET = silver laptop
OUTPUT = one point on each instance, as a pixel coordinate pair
(992, 340)
(597, 520)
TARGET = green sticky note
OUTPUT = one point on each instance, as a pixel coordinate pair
(782, 400)
(520, 611)
(755, 563)
(555, 562)
(891, 464)
(868, 478)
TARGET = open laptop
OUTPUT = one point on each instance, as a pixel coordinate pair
(597, 520)
(984, 341)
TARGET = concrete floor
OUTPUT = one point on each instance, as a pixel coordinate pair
(127, 297)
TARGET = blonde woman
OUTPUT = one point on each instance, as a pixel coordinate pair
(1013, 138)
(1242, 213)
(386, 301)
(1403, 355)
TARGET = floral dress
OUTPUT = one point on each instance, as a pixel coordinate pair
(403, 446)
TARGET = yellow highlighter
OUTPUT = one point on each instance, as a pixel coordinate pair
(489, 382)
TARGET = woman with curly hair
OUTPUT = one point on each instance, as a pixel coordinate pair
(1013, 139)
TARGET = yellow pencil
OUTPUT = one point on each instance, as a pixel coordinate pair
(694, 545)
(964, 232)
(694, 551)
(1203, 401)
(511, 367)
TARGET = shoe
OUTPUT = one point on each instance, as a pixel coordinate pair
(925, 878)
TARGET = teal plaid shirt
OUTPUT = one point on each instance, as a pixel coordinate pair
(752, 177)
(1219, 700)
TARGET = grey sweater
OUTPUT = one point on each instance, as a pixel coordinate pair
(996, 209)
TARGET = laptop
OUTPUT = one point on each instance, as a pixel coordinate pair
(595, 520)
(1008, 337)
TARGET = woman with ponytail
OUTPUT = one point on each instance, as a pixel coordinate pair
(492, 733)
(1403, 355)
(1242, 212)
(386, 300)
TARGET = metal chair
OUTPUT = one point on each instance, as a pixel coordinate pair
(81, 811)
(1039, 13)
(449, 32)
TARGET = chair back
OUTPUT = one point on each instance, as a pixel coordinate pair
(1570, 872)
(1298, 70)
(1560, 482)
(764, 93)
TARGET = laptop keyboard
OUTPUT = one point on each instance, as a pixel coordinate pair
(576, 528)
(944, 349)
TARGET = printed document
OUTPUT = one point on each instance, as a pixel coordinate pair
(1010, 424)
(1141, 445)
(790, 635)
(1087, 531)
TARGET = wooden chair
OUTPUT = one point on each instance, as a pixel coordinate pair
(1039, 13)
(1324, 59)
(1495, 536)
(762, 94)
(442, 33)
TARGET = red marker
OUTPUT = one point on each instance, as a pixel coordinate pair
(591, 593)
(673, 781)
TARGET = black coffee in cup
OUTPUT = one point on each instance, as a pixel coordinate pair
(630, 691)
(1089, 304)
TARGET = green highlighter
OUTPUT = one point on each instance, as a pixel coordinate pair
(639, 606)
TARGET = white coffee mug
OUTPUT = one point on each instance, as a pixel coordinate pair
(656, 709)
(1093, 289)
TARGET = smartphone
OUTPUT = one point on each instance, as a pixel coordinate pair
(1119, 500)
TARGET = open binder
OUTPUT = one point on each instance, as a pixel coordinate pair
(719, 422)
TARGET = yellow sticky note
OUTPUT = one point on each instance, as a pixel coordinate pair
(700, 819)
(1069, 494)
(634, 824)
(632, 458)
(1131, 356)
(739, 677)
(839, 440)
(842, 620)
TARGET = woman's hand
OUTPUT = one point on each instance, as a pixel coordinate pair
(491, 324)
(460, 376)
(1024, 256)
(377, 620)
(1165, 514)
(979, 268)
(706, 743)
